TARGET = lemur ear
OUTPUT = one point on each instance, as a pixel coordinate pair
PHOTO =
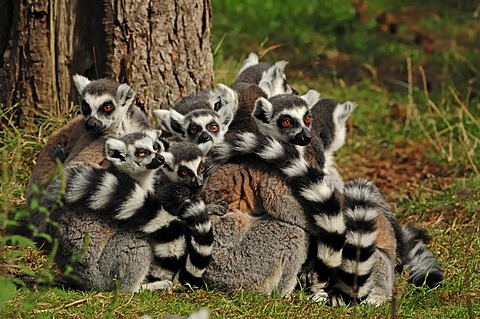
(311, 98)
(125, 95)
(163, 117)
(251, 60)
(80, 83)
(344, 111)
(228, 104)
(156, 135)
(263, 110)
(273, 80)
(115, 150)
(223, 96)
(177, 122)
(162, 141)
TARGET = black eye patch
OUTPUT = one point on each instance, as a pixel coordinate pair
(142, 152)
(86, 108)
(107, 108)
(286, 121)
(194, 130)
(184, 171)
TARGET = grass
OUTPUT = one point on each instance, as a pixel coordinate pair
(415, 133)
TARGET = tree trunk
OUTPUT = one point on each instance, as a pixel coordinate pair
(161, 48)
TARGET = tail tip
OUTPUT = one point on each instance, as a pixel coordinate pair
(431, 279)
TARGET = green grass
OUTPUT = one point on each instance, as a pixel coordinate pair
(415, 133)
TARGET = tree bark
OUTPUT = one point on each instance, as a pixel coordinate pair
(161, 48)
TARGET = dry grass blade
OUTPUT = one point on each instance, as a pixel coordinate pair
(73, 303)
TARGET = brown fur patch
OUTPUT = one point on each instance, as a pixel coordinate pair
(386, 241)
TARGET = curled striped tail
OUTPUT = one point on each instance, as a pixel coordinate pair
(199, 249)
(420, 261)
(353, 279)
(314, 190)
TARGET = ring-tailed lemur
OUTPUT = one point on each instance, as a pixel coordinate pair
(287, 118)
(269, 77)
(202, 117)
(329, 127)
(366, 271)
(107, 111)
(130, 192)
(256, 80)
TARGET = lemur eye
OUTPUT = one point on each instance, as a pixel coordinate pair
(184, 172)
(107, 107)
(142, 153)
(307, 119)
(192, 131)
(156, 149)
(214, 127)
(217, 106)
(286, 123)
(201, 168)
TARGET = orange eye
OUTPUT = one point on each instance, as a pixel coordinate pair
(156, 149)
(107, 108)
(193, 131)
(214, 128)
(184, 173)
(307, 120)
(142, 153)
(201, 168)
(286, 123)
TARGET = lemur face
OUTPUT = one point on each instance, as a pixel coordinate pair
(202, 127)
(138, 152)
(185, 164)
(198, 126)
(286, 117)
(104, 103)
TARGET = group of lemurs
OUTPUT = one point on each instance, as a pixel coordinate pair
(235, 188)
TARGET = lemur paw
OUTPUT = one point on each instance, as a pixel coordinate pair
(336, 300)
(158, 285)
(320, 296)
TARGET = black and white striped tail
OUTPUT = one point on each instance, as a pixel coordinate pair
(196, 217)
(353, 279)
(311, 187)
(420, 261)
(181, 244)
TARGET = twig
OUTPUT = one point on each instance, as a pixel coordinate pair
(263, 52)
(73, 303)
(76, 302)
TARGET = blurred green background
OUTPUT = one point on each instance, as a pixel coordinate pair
(354, 40)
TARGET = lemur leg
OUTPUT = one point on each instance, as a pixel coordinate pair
(259, 254)
(100, 255)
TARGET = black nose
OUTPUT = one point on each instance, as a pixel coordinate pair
(204, 137)
(93, 125)
(302, 138)
(156, 162)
